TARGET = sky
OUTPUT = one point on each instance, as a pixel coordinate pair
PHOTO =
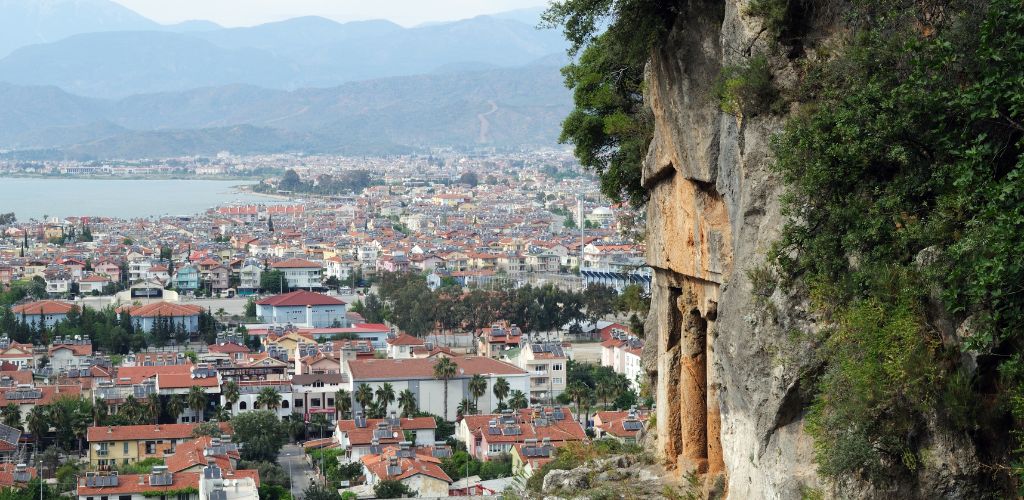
(251, 12)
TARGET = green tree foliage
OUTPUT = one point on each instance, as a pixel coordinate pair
(272, 281)
(906, 196)
(609, 127)
(444, 370)
(390, 488)
(347, 182)
(316, 492)
(262, 435)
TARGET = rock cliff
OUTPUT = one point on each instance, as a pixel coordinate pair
(728, 355)
(728, 395)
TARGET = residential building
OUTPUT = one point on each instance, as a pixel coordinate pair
(489, 436)
(126, 444)
(249, 279)
(94, 283)
(49, 312)
(300, 273)
(625, 426)
(421, 473)
(497, 339)
(175, 315)
(546, 364)
(401, 346)
(186, 279)
(67, 353)
(314, 393)
(303, 307)
(363, 436)
(417, 375)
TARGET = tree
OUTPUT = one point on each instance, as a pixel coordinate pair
(501, 389)
(11, 415)
(477, 388)
(250, 306)
(260, 433)
(155, 407)
(343, 403)
(364, 396)
(231, 393)
(175, 406)
(211, 429)
(290, 181)
(469, 178)
(466, 407)
(272, 281)
(317, 492)
(390, 488)
(445, 369)
(268, 399)
(577, 392)
(518, 400)
(197, 401)
(385, 396)
(407, 402)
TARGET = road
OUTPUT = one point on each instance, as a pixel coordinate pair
(292, 460)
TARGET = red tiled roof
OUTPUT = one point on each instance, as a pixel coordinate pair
(43, 307)
(300, 298)
(76, 349)
(7, 473)
(407, 424)
(406, 339)
(423, 368)
(165, 309)
(49, 393)
(294, 263)
(419, 464)
(103, 433)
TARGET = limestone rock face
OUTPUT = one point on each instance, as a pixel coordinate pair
(722, 355)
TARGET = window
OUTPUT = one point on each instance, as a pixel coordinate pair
(314, 402)
(330, 402)
(556, 368)
(284, 403)
(318, 383)
(242, 406)
(298, 403)
(556, 380)
(125, 447)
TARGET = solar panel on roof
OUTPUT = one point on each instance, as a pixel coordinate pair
(494, 431)
(512, 431)
(218, 495)
(632, 425)
(161, 479)
(558, 414)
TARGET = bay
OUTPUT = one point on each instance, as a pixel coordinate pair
(32, 198)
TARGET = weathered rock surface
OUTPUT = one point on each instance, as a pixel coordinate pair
(727, 370)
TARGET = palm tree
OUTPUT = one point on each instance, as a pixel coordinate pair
(197, 400)
(517, 400)
(38, 422)
(342, 403)
(445, 369)
(466, 407)
(231, 394)
(269, 398)
(385, 396)
(606, 389)
(222, 414)
(407, 402)
(501, 389)
(175, 406)
(11, 415)
(577, 392)
(100, 410)
(153, 400)
(364, 396)
(477, 388)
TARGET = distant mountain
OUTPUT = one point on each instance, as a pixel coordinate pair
(501, 108)
(26, 22)
(287, 55)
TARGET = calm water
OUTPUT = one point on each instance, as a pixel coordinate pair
(34, 198)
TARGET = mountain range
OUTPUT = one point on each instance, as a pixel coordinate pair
(92, 79)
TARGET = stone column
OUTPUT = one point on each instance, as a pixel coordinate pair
(666, 315)
(716, 461)
(693, 384)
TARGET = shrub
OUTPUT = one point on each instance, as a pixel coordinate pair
(748, 89)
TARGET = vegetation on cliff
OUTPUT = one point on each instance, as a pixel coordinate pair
(906, 200)
(609, 126)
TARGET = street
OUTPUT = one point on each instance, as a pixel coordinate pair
(292, 460)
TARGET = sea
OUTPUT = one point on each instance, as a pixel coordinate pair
(34, 198)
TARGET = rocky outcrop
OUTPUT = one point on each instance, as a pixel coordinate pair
(728, 358)
(723, 407)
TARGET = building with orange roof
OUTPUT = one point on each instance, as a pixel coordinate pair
(303, 307)
(401, 346)
(362, 436)
(530, 455)
(184, 315)
(210, 483)
(490, 436)
(417, 375)
(69, 353)
(15, 475)
(125, 444)
(16, 353)
(421, 473)
(626, 426)
(300, 273)
(49, 312)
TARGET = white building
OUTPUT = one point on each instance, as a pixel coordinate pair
(622, 354)
(302, 307)
(417, 375)
(546, 364)
(300, 273)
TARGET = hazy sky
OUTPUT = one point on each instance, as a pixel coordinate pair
(250, 12)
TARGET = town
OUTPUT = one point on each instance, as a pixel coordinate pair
(425, 326)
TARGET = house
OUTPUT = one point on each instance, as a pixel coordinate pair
(300, 273)
(211, 483)
(9, 440)
(146, 317)
(94, 283)
(16, 476)
(530, 455)
(67, 354)
(312, 309)
(499, 338)
(402, 345)
(187, 279)
(250, 392)
(417, 375)
(126, 444)
(314, 393)
(625, 426)
(234, 351)
(49, 312)
(546, 364)
(217, 277)
(17, 354)
(26, 397)
(195, 454)
(249, 279)
(622, 354)
(421, 473)
(490, 436)
(108, 268)
(363, 436)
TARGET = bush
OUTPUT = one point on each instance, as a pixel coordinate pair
(270, 473)
(748, 89)
(261, 435)
(392, 489)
